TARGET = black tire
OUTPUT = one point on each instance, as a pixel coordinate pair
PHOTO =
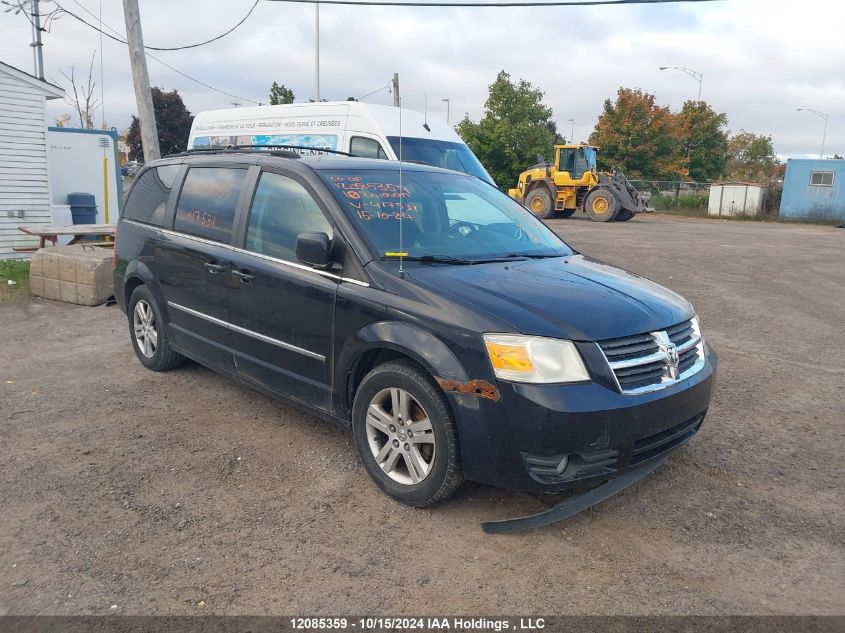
(601, 204)
(566, 213)
(444, 476)
(539, 202)
(624, 215)
(162, 356)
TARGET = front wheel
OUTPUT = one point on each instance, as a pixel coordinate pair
(405, 434)
(601, 205)
(539, 202)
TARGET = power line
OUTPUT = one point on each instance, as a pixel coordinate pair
(161, 48)
(471, 5)
(119, 38)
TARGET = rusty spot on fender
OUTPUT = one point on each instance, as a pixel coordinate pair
(479, 388)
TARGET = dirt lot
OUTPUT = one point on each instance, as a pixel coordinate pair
(124, 491)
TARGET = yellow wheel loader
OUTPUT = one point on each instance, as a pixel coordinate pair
(572, 182)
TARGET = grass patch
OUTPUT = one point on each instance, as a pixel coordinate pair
(693, 200)
(689, 213)
(15, 270)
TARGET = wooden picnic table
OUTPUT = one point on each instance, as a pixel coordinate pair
(78, 231)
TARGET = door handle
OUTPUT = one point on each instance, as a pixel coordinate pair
(215, 268)
(243, 276)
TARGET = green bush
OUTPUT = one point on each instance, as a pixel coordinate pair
(693, 200)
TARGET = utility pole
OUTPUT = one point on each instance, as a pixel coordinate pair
(37, 46)
(141, 80)
(396, 90)
(317, 55)
(448, 107)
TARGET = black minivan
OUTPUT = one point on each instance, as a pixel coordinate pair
(455, 332)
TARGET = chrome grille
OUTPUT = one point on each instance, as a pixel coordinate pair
(644, 362)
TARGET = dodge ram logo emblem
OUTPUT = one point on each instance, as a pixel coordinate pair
(672, 355)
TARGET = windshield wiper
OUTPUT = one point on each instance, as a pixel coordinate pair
(436, 259)
(535, 255)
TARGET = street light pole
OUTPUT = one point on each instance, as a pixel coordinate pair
(699, 77)
(448, 104)
(572, 130)
(317, 53)
(824, 133)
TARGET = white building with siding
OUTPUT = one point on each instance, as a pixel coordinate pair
(24, 183)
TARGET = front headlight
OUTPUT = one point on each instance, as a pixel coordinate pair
(534, 359)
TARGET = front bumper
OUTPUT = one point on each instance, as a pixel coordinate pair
(519, 442)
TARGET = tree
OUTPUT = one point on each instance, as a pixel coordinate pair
(63, 120)
(513, 130)
(552, 127)
(83, 99)
(280, 95)
(173, 122)
(752, 157)
(639, 137)
(704, 141)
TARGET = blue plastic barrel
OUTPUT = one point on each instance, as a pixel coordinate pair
(83, 208)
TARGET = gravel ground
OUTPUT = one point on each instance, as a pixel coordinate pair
(125, 491)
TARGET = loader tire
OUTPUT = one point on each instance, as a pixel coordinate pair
(601, 204)
(624, 215)
(539, 202)
(566, 213)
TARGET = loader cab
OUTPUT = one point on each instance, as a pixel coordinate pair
(577, 160)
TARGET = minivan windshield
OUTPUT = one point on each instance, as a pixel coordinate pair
(445, 217)
(445, 154)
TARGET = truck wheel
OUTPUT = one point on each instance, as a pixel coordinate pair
(601, 205)
(405, 434)
(566, 213)
(539, 202)
(624, 215)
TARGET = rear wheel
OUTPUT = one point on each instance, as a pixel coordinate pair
(624, 215)
(539, 202)
(566, 213)
(149, 336)
(405, 434)
(601, 205)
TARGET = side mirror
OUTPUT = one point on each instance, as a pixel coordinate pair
(313, 249)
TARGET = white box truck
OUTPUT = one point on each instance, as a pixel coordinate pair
(361, 129)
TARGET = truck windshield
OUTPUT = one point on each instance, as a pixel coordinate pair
(444, 217)
(445, 154)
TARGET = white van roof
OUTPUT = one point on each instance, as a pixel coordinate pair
(346, 115)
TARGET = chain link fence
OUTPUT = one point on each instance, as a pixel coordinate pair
(675, 194)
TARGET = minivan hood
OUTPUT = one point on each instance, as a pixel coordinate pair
(575, 297)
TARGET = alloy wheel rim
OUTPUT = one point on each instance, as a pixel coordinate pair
(400, 436)
(144, 327)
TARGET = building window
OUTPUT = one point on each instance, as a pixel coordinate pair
(821, 179)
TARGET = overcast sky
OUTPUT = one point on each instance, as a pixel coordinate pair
(761, 59)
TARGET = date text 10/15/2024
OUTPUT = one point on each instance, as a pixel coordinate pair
(418, 624)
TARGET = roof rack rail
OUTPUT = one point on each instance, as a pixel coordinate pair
(275, 150)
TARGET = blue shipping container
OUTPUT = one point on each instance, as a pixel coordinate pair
(813, 188)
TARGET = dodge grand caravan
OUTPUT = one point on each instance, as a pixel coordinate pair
(455, 333)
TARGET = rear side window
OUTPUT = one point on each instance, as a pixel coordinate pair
(366, 148)
(208, 202)
(281, 210)
(150, 193)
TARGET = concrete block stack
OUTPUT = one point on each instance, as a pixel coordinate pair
(73, 274)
